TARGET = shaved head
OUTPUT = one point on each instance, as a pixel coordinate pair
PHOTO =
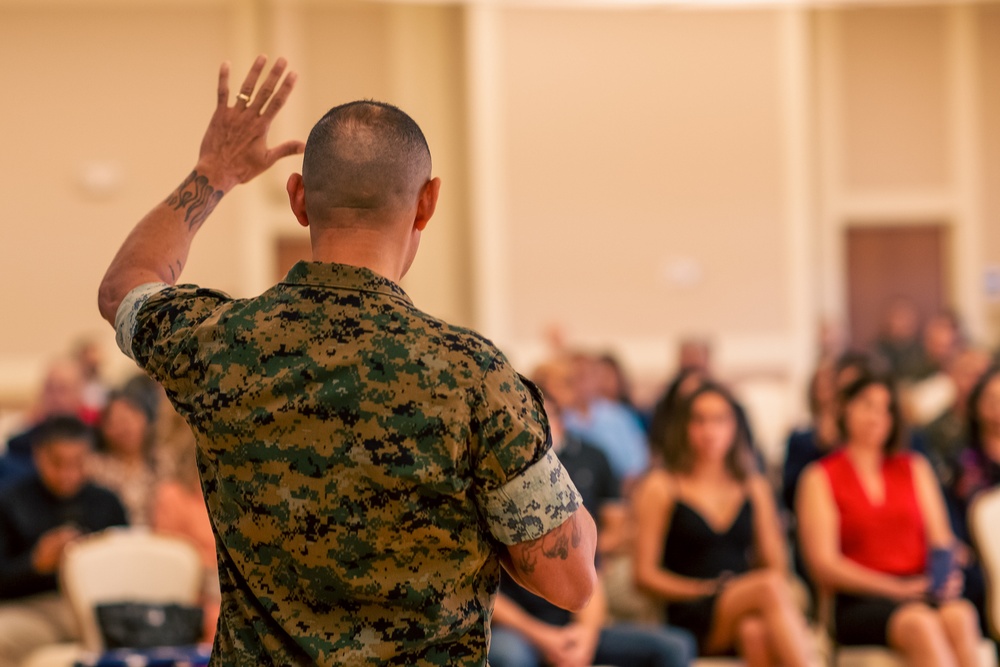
(366, 157)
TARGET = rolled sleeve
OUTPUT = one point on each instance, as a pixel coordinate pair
(127, 317)
(530, 505)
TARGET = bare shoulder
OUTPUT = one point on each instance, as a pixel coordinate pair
(923, 474)
(657, 485)
(759, 490)
(812, 475)
(814, 487)
(919, 465)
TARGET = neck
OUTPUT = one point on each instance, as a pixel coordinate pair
(709, 470)
(864, 454)
(375, 250)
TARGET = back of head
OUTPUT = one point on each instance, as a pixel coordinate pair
(365, 159)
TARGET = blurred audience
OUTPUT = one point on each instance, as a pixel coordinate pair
(179, 510)
(679, 389)
(61, 395)
(39, 516)
(123, 461)
(899, 340)
(946, 435)
(977, 469)
(612, 384)
(527, 631)
(89, 356)
(695, 354)
(709, 541)
(571, 382)
(699, 532)
(823, 434)
(941, 339)
(979, 462)
(870, 515)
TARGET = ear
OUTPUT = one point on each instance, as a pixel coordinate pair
(426, 203)
(297, 198)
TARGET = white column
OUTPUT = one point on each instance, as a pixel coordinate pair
(964, 124)
(794, 58)
(486, 165)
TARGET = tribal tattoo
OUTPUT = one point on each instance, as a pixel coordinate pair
(174, 272)
(555, 544)
(197, 197)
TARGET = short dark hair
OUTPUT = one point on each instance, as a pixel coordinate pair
(363, 155)
(895, 440)
(676, 445)
(62, 428)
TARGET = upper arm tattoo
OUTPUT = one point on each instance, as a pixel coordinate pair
(197, 197)
(556, 543)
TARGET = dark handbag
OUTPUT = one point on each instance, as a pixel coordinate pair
(142, 625)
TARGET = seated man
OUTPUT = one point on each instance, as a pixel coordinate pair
(527, 631)
(61, 395)
(39, 516)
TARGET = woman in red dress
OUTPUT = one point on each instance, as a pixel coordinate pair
(869, 517)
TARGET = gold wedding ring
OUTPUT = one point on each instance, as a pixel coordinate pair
(244, 97)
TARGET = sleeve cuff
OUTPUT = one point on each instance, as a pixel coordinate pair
(127, 315)
(530, 505)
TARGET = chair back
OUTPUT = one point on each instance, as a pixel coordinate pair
(984, 524)
(127, 565)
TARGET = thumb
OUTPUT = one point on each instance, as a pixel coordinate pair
(285, 150)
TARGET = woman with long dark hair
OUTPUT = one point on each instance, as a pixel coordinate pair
(870, 516)
(708, 539)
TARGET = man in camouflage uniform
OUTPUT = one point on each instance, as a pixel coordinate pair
(367, 467)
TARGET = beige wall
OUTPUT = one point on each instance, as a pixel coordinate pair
(895, 99)
(114, 90)
(651, 173)
(92, 91)
(637, 165)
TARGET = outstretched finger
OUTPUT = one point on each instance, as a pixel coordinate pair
(224, 84)
(250, 82)
(285, 150)
(280, 96)
(267, 88)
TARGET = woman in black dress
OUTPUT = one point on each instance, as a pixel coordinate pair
(709, 541)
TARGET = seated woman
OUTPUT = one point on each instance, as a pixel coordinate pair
(978, 469)
(868, 516)
(123, 462)
(708, 540)
(179, 510)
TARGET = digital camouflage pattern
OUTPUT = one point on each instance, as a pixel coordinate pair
(361, 462)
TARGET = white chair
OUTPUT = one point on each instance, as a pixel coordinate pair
(119, 565)
(984, 524)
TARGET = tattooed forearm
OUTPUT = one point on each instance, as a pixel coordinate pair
(197, 197)
(555, 544)
(175, 270)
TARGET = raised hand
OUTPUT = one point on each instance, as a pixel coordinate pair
(234, 149)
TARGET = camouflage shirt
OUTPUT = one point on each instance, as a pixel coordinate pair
(362, 463)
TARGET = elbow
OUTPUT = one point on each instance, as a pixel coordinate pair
(577, 595)
(105, 302)
(641, 579)
(108, 300)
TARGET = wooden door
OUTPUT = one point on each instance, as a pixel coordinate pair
(888, 262)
